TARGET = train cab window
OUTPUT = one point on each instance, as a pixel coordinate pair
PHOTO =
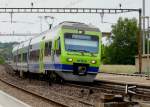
(48, 46)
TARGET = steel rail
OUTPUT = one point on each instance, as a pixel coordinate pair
(115, 88)
(125, 74)
(137, 91)
(110, 86)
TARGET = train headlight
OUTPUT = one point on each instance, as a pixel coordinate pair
(81, 31)
(93, 62)
(69, 59)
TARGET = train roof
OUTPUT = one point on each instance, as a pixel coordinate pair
(79, 25)
(50, 34)
(46, 36)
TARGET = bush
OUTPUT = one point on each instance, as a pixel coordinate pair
(2, 60)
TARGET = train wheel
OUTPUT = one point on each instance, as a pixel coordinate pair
(48, 77)
(52, 76)
(29, 76)
(43, 77)
(59, 80)
(21, 74)
(26, 74)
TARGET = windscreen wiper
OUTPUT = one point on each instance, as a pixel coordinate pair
(83, 51)
(92, 54)
(72, 50)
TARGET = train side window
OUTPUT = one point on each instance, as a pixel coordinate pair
(15, 58)
(19, 58)
(31, 55)
(48, 48)
(24, 57)
(34, 55)
(37, 55)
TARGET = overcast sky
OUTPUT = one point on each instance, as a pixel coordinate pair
(30, 23)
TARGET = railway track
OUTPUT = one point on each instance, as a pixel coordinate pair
(48, 99)
(31, 93)
(104, 86)
(78, 101)
(126, 90)
(125, 74)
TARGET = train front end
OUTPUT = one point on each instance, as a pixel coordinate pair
(81, 52)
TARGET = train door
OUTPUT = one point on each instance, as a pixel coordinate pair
(17, 59)
(57, 54)
(28, 54)
(58, 47)
(21, 62)
(41, 56)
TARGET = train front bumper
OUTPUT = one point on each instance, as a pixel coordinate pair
(67, 73)
(70, 68)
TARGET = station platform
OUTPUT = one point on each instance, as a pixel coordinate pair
(123, 79)
(8, 101)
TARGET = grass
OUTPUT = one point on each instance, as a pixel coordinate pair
(130, 69)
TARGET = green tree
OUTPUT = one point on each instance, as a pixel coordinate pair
(6, 50)
(123, 47)
(2, 61)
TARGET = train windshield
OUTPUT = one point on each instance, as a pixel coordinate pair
(81, 43)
